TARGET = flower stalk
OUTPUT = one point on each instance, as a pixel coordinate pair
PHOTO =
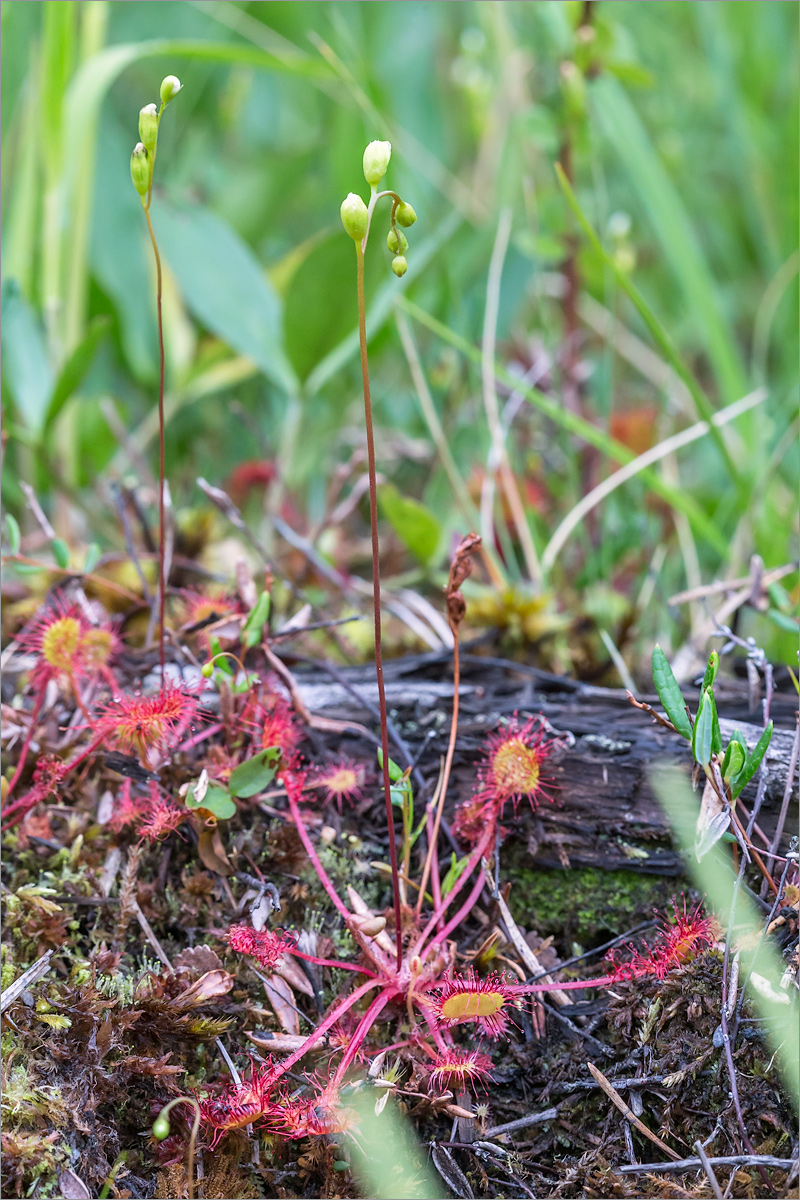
(143, 161)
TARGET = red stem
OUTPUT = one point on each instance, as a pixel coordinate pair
(37, 707)
(364, 1026)
(330, 962)
(376, 599)
(328, 1023)
(312, 854)
(438, 912)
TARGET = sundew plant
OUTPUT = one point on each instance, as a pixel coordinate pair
(397, 390)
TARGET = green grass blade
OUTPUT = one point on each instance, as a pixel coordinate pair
(657, 331)
(627, 134)
(577, 425)
(714, 877)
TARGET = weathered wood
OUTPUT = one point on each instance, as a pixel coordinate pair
(604, 813)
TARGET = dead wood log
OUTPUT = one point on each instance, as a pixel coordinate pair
(605, 813)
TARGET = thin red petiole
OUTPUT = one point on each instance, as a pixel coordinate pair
(328, 1023)
(312, 854)
(330, 962)
(23, 755)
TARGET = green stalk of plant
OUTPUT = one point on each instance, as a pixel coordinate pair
(655, 328)
(161, 1131)
(143, 161)
(357, 218)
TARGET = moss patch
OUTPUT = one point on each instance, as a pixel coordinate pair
(583, 904)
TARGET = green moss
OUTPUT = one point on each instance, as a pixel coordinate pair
(583, 904)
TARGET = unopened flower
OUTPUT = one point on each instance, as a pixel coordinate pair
(170, 86)
(513, 766)
(355, 217)
(376, 161)
(470, 998)
(140, 169)
(247, 1103)
(456, 1069)
(340, 780)
(676, 943)
(148, 725)
(263, 944)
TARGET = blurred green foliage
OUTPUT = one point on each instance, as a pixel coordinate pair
(678, 123)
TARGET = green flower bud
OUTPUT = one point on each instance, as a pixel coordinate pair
(140, 169)
(169, 88)
(161, 1127)
(391, 242)
(399, 266)
(376, 160)
(354, 216)
(148, 127)
(405, 215)
(207, 670)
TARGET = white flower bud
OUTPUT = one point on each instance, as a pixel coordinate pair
(169, 88)
(355, 217)
(376, 160)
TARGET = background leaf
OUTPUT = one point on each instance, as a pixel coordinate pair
(417, 528)
(224, 285)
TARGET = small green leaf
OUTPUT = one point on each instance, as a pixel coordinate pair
(395, 772)
(216, 801)
(255, 774)
(669, 693)
(455, 871)
(734, 760)
(60, 552)
(783, 621)
(75, 368)
(254, 625)
(28, 568)
(716, 735)
(711, 669)
(417, 528)
(753, 762)
(13, 534)
(92, 558)
(703, 729)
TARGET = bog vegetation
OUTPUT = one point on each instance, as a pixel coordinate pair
(520, 377)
